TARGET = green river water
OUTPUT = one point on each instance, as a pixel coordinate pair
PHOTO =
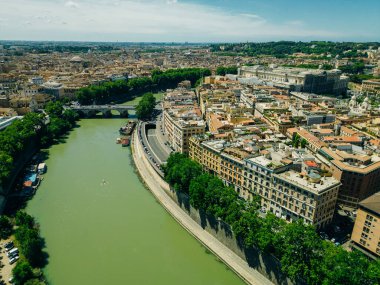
(113, 232)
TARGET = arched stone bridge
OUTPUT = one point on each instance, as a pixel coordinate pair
(92, 110)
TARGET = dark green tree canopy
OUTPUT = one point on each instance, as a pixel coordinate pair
(145, 107)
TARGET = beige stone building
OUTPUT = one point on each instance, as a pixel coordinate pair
(179, 131)
(366, 233)
(289, 188)
(372, 86)
(182, 118)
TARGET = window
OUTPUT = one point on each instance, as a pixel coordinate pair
(366, 230)
(364, 235)
(362, 242)
(369, 218)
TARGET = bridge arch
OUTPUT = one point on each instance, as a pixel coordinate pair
(105, 113)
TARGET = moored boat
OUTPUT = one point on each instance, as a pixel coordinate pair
(125, 142)
(128, 129)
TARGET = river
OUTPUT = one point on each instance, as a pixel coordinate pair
(112, 232)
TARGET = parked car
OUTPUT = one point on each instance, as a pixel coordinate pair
(12, 255)
(9, 245)
(12, 252)
(13, 260)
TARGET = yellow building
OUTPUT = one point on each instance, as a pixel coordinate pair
(366, 232)
(372, 86)
(207, 155)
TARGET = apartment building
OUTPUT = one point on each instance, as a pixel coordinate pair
(358, 172)
(181, 119)
(307, 195)
(290, 182)
(179, 131)
(366, 233)
(345, 157)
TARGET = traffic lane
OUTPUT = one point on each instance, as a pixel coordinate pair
(162, 139)
(153, 160)
(156, 146)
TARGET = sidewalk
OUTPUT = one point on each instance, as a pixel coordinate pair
(157, 186)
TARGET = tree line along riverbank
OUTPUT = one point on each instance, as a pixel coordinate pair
(24, 235)
(41, 131)
(304, 256)
(123, 90)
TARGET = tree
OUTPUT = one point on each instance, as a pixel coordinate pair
(245, 228)
(266, 233)
(197, 191)
(71, 116)
(6, 165)
(222, 70)
(373, 272)
(341, 267)
(24, 219)
(31, 244)
(54, 109)
(28, 236)
(296, 140)
(303, 143)
(22, 272)
(180, 170)
(6, 227)
(146, 106)
(34, 281)
(298, 247)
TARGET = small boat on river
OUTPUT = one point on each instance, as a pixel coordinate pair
(125, 142)
(128, 129)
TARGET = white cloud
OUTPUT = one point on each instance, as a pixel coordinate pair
(140, 20)
(71, 4)
(296, 23)
(253, 16)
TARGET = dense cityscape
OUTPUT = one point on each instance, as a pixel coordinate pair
(266, 152)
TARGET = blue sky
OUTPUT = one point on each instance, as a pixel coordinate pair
(190, 20)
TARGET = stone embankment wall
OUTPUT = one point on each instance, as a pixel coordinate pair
(264, 263)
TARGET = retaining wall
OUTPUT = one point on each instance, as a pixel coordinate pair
(265, 263)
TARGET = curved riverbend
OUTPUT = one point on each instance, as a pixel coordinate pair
(113, 232)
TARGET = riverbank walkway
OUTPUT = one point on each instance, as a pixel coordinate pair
(156, 185)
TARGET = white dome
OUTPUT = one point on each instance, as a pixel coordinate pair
(76, 59)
